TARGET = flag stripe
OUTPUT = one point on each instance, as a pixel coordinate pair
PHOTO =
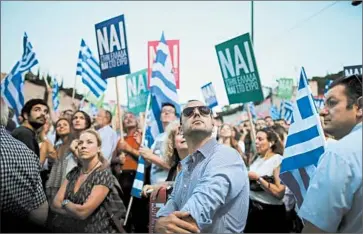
(302, 160)
(302, 136)
(293, 186)
(305, 177)
(305, 107)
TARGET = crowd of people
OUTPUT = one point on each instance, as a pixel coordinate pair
(75, 172)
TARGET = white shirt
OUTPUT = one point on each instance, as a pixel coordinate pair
(109, 141)
(265, 167)
(333, 202)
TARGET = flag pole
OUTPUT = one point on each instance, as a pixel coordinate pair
(119, 116)
(253, 133)
(142, 143)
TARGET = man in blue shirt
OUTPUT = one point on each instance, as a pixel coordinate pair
(333, 202)
(211, 193)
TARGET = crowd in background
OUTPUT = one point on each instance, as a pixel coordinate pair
(64, 171)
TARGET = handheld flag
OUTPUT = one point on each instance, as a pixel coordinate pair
(89, 69)
(12, 85)
(305, 143)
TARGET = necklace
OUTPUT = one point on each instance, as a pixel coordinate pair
(91, 169)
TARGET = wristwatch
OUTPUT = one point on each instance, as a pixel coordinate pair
(65, 202)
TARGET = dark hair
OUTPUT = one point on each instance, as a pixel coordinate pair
(272, 137)
(268, 117)
(56, 134)
(29, 105)
(108, 115)
(86, 117)
(353, 88)
(280, 131)
(168, 104)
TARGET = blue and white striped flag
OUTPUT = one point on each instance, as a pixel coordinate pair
(274, 112)
(304, 145)
(288, 110)
(55, 96)
(89, 69)
(12, 85)
(162, 90)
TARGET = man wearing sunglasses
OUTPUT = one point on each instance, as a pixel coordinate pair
(333, 202)
(211, 192)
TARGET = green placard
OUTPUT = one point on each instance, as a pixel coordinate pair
(285, 88)
(137, 91)
(239, 70)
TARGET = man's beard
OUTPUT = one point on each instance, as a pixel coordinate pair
(35, 124)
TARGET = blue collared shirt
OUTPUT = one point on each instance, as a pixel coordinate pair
(213, 187)
(333, 202)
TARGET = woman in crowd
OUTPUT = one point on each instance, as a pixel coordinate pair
(176, 149)
(82, 199)
(80, 121)
(58, 171)
(226, 138)
(267, 210)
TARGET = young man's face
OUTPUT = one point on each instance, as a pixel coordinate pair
(38, 114)
(338, 119)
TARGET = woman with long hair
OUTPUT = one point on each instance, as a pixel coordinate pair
(80, 121)
(226, 138)
(82, 199)
(58, 171)
(176, 149)
(267, 210)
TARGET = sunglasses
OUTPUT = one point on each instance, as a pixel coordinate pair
(203, 110)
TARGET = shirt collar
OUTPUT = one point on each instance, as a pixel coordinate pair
(208, 148)
(357, 127)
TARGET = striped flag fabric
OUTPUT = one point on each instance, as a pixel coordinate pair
(89, 69)
(162, 90)
(12, 85)
(288, 111)
(55, 95)
(274, 112)
(305, 143)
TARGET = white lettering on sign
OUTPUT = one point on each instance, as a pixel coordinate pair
(107, 45)
(131, 87)
(249, 56)
(226, 63)
(142, 85)
(239, 61)
(102, 41)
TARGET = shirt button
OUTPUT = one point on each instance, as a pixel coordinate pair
(185, 185)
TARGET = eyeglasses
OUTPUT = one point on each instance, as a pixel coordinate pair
(168, 112)
(189, 111)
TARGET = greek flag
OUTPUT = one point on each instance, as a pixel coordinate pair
(274, 112)
(89, 69)
(162, 90)
(305, 143)
(288, 110)
(55, 96)
(12, 85)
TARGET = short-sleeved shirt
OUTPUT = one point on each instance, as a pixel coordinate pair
(265, 168)
(21, 189)
(130, 161)
(99, 221)
(28, 137)
(333, 202)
